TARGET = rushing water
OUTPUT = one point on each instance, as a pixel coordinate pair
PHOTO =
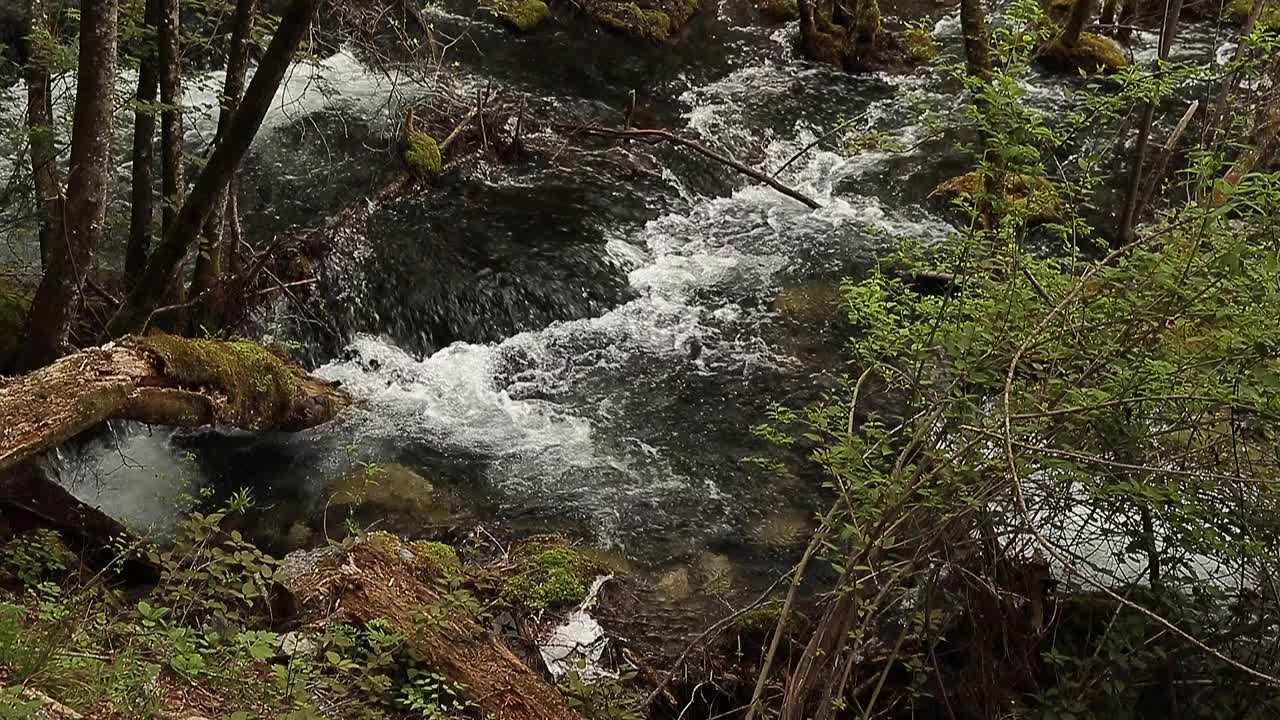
(577, 343)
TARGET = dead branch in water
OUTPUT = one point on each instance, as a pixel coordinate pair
(655, 136)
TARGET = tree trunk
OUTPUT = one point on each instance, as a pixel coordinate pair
(1133, 194)
(163, 380)
(217, 173)
(209, 263)
(171, 117)
(142, 210)
(1081, 11)
(1266, 144)
(87, 189)
(386, 588)
(44, 151)
(977, 48)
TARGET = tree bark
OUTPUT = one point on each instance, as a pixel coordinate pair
(142, 210)
(163, 380)
(977, 47)
(209, 262)
(363, 584)
(1081, 11)
(87, 189)
(171, 117)
(217, 173)
(44, 151)
(1133, 194)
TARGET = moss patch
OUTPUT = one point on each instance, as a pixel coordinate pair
(1238, 12)
(259, 389)
(428, 560)
(422, 153)
(521, 15)
(653, 20)
(1036, 197)
(754, 629)
(921, 44)
(13, 316)
(778, 11)
(1093, 54)
(548, 576)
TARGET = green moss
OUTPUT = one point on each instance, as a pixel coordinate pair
(1238, 11)
(920, 44)
(866, 21)
(548, 576)
(13, 316)
(778, 11)
(521, 15)
(422, 153)
(436, 558)
(259, 388)
(1094, 53)
(426, 558)
(1036, 197)
(655, 20)
(754, 629)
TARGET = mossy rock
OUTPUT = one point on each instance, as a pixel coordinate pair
(388, 485)
(13, 317)
(921, 44)
(422, 154)
(754, 629)
(428, 560)
(1036, 197)
(259, 387)
(549, 576)
(1239, 10)
(653, 20)
(1093, 54)
(521, 15)
(778, 11)
(782, 529)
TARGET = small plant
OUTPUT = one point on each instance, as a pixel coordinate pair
(35, 557)
(602, 698)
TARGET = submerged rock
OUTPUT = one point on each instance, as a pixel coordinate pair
(390, 494)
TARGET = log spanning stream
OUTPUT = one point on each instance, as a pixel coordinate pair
(578, 344)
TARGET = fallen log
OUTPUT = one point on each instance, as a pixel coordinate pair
(162, 380)
(362, 584)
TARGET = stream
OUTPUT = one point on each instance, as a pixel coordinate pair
(580, 344)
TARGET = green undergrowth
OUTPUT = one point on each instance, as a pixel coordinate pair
(206, 641)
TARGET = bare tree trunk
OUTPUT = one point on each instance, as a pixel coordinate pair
(142, 210)
(1133, 194)
(1081, 12)
(44, 151)
(977, 48)
(87, 189)
(217, 173)
(209, 263)
(171, 116)
(1266, 144)
(163, 380)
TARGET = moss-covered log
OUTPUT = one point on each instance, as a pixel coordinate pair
(372, 581)
(164, 380)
